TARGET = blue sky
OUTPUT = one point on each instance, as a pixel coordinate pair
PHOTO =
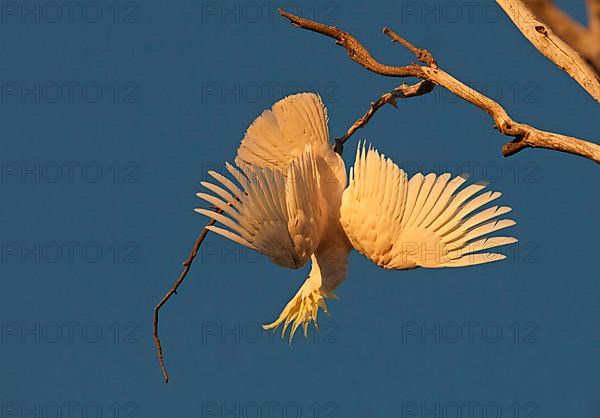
(111, 114)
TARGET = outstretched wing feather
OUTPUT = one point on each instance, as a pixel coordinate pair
(422, 222)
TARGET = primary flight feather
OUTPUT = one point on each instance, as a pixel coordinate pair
(292, 203)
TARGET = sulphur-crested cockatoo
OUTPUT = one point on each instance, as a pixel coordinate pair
(292, 203)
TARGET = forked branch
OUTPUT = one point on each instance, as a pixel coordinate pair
(525, 136)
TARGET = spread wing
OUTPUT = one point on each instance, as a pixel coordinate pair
(422, 222)
(280, 215)
(280, 134)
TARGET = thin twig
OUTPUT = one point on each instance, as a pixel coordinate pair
(186, 268)
(525, 136)
(422, 54)
(356, 51)
(401, 92)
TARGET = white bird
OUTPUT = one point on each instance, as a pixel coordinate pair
(292, 204)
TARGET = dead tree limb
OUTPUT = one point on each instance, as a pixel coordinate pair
(525, 136)
(586, 41)
(552, 46)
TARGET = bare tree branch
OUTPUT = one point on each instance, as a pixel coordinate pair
(571, 31)
(585, 41)
(422, 55)
(186, 268)
(401, 92)
(552, 46)
(525, 136)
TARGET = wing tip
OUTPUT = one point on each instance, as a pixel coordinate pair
(300, 95)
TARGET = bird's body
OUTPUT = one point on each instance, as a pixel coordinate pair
(293, 204)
